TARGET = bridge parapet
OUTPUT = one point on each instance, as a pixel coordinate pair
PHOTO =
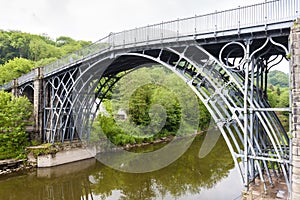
(258, 17)
(7, 86)
(26, 78)
(77, 56)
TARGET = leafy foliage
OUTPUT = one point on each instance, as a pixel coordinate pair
(278, 78)
(16, 48)
(144, 97)
(14, 116)
(147, 96)
(15, 68)
(19, 54)
(278, 94)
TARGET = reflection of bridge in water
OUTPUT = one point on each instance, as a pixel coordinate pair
(189, 177)
(224, 57)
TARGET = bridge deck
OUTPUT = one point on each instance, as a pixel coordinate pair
(271, 17)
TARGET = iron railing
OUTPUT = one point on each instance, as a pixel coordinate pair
(262, 14)
(26, 78)
(7, 85)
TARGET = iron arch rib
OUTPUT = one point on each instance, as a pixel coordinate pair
(222, 94)
(220, 89)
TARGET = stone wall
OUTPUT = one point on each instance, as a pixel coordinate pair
(295, 88)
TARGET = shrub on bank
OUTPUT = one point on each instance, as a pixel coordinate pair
(14, 117)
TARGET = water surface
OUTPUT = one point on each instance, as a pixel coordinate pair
(189, 177)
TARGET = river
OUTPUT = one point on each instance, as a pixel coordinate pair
(189, 177)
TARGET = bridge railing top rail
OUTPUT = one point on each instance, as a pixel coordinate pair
(253, 15)
(26, 78)
(7, 85)
(91, 49)
(248, 16)
(234, 19)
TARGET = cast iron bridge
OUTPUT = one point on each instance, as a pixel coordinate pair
(224, 57)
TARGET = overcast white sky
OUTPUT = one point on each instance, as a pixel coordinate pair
(94, 19)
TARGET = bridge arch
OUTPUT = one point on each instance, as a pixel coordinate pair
(27, 90)
(220, 89)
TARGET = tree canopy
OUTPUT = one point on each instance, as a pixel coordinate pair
(21, 52)
(14, 117)
(278, 94)
(141, 100)
(149, 96)
(15, 68)
(278, 78)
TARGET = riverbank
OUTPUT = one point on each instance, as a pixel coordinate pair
(9, 166)
(161, 140)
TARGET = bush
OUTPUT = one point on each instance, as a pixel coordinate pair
(14, 117)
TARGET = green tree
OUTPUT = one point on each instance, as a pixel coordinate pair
(18, 50)
(15, 44)
(69, 45)
(283, 100)
(45, 61)
(15, 68)
(278, 91)
(6, 50)
(20, 43)
(278, 78)
(149, 95)
(14, 117)
(39, 49)
(63, 40)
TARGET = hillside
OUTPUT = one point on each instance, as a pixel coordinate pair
(20, 52)
(278, 78)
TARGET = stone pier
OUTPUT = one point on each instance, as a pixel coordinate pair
(14, 89)
(38, 102)
(295, 104)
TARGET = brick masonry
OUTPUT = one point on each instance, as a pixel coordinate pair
(295, 89)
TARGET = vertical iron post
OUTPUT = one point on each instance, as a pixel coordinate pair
(246, 116)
